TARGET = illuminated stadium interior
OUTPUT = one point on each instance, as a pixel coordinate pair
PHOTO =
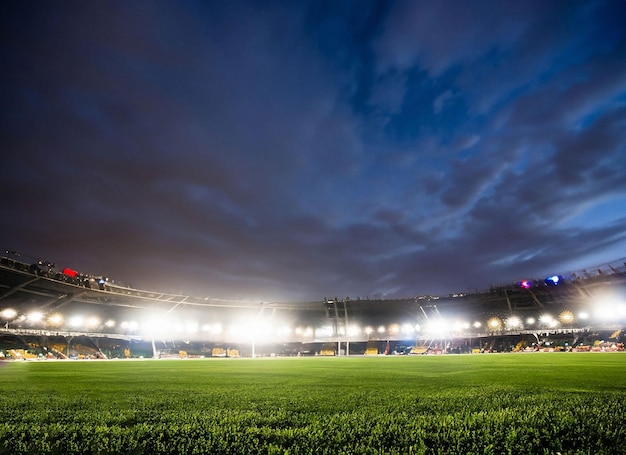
(60, 313)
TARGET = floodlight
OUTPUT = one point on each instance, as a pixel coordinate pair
(325, 331)
(215, 328)
(354, 330)
(554, 323)
(110, 323)
(92, 322)
(459, 326)
(34, 317)
(437, 327)
(408, 328)
(477, 324)
(530, 320)
(494, 323)
(129, 326)
(381, 329)
(153, 327)
(55, 319)
(75, 321)
(8, 314)
(566, 317)
(394, 329)
(545, 318)
(548, 320)
(303, 331)
(513, 322)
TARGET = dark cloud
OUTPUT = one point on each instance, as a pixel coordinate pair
(273, 152)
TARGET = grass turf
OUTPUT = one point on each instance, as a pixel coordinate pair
(497, 403)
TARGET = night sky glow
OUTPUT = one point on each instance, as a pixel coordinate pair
(296, 150)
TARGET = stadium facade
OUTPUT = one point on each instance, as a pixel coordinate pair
(47, 312)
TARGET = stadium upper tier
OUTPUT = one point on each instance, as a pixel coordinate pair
(38, 296)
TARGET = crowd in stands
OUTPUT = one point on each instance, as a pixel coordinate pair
(48, 269)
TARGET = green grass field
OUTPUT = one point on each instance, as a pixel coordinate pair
(498, 403)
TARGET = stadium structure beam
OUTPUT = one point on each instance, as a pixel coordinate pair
(537, 301)
(508, 301)
(18, 288)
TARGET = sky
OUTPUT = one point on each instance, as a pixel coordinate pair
(291, 151)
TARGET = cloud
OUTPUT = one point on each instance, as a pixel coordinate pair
(280, 152)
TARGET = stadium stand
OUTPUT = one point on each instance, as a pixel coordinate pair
(320, 328)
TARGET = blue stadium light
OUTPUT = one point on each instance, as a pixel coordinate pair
(553, 280)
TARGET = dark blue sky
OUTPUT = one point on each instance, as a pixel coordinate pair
(296, 150)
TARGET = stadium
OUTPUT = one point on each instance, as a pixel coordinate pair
(49, 312)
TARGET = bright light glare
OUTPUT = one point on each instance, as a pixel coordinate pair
(545, 319)
(56, 320)
(566, 317)
(611, 307)
(610, 310)
(75, 321)
(494, 323)
(155, 327)
(513, 322)
(325, 331)
(8, 314)
(459, 326)
(92, 322)
(304, 331)
(548, 320)
(191, 327)
(251, 331)
(437, 327)
(283, 331)
(129, 326)
(34, 316)
(215, 328)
